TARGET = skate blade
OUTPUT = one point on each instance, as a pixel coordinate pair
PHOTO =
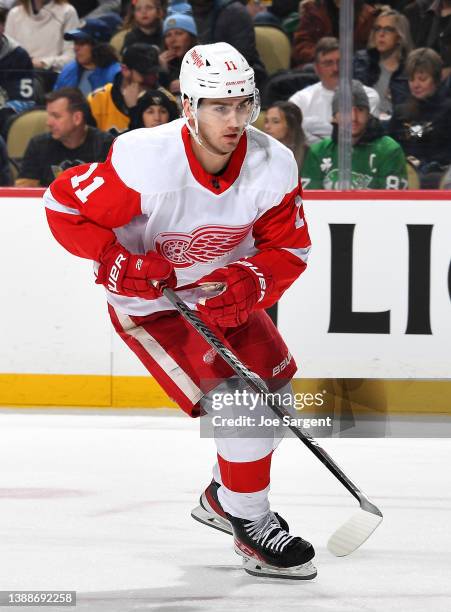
(306, 571)
(205, 517)
(353, 533)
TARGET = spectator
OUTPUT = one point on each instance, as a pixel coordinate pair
(92, 9)
(16, 78)
(112, 104)
(228, 21)
(39, 28)
(179, 35)
(283, 121)
(272, 13)
(377, 160)
(231, 23)
(422, 124)
(315, 101)
(382, 65)
(95, 62)
(430, 24)
(144, 20)
(178, 6)
(203, 14)
(70, 140)
(320, 18)
(154, 108)
(5, 171)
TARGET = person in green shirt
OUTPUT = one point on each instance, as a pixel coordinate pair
(378, 161)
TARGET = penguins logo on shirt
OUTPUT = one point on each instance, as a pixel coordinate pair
(203, 245)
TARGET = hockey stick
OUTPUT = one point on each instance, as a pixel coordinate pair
(360, 526)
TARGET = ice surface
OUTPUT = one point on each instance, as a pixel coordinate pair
(100, 504)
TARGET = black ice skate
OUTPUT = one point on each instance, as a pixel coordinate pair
(269, 550)
(210, 512)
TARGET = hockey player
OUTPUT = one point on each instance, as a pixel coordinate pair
(204, 199)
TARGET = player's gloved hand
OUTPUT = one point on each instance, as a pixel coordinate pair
(132, 275)
(242, 292)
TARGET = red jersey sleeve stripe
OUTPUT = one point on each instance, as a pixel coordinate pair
(84, 204)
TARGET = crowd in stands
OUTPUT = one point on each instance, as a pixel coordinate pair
(102, 67)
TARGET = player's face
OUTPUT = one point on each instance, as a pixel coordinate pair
(61, 121)
(83, 52)
(155, 115)
(386, 38)
(222, 122)
(275, 124)
(422, 85)
(327, 68)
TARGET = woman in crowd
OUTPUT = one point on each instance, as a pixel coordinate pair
(180, 34)
(283, 121)
(144, 20)
(382, 65)
(154, 108)
(422, 124)
(95, 63)
(39, 28)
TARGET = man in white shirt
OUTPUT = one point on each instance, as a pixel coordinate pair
(315, 101)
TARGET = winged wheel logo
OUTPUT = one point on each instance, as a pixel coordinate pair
(204, 245)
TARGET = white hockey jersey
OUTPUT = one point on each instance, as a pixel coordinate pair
(153, 194)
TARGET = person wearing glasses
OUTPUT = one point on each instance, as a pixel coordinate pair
(315, 101)
(320, 18)
(382, 65)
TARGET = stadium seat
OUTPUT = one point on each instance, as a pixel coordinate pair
(117, 42)
(260, 121)
(22, 129)
(273, 47)
(413, 180)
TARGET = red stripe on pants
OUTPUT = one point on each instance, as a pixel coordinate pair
(247, 476)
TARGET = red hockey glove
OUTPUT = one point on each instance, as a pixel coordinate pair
(132, 275)
(244, 287)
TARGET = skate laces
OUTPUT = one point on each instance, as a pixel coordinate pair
(268, 533)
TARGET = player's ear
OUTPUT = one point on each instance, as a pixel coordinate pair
(187, 108)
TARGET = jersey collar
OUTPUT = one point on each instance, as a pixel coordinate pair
(215, 184)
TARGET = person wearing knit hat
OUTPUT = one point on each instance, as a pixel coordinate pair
(378, 161)
(180, 21)
(111, 105)
(180, 35)
(360, 113)
(154, 108)
(359, 97)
